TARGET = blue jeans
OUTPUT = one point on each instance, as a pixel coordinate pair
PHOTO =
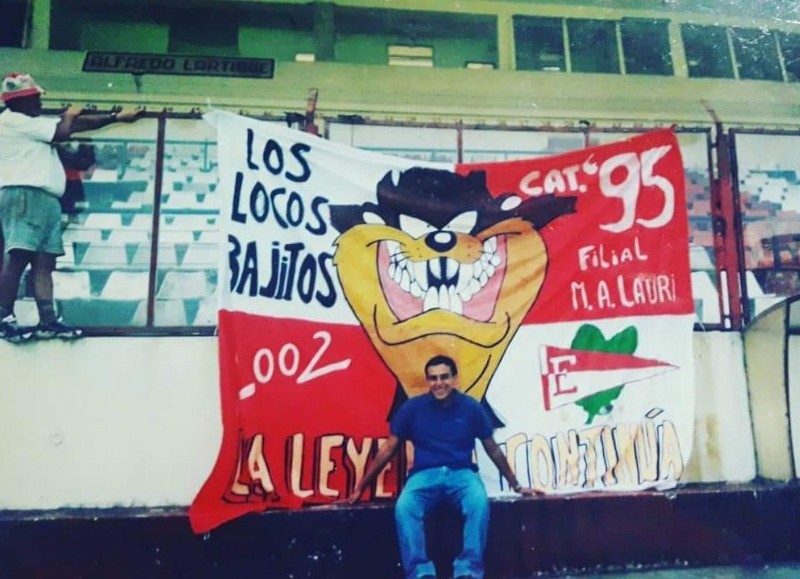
(424, 490)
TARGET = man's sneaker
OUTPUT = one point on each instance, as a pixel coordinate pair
(11, 332)
(57, 329)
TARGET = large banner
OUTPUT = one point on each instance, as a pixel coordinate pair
(560, 286)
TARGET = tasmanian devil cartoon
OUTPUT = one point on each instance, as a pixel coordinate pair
(440, 266)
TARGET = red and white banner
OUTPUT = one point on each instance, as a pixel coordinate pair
(560, 285)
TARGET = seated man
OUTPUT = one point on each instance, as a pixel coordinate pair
(443, 426)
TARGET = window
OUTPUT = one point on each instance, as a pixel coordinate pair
(417, 143)
(101, 280)
(756, 54)
(413, 37)
(593, 46)
(12, 24)
(539, 44)
(707, 51)
(645, 44)
(204, 32)
(767, 179)
(790, 48)
(189, 240)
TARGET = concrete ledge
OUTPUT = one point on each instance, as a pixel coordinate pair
(695, 525)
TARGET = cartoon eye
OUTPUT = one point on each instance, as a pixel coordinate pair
(416, 228)
(372, 218)
(462, 223)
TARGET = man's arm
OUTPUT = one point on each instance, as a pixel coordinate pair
(74, 121)
(501, 462)
(384, 455)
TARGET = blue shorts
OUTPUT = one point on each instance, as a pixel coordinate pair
(31, 220)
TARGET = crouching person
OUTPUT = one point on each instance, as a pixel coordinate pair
(443, 426)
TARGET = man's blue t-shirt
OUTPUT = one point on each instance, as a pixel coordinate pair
(442, 435)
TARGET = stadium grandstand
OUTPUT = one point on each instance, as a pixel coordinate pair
(121, 427)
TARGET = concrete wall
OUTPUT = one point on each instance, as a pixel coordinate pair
(136, 421)
(416, 93)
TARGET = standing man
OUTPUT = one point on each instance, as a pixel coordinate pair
(32, 180)
(443, 426)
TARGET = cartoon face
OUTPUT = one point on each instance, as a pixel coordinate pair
(439, 266)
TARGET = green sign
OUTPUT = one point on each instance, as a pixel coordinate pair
(179, 64)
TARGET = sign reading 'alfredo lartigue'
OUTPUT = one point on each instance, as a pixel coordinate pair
(560, 285)
(179, 64)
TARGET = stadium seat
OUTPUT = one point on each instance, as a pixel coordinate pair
(103, 221)
(206, 312)
(166, 313)
(126, 285)
(141, 221)
(74, 234)
(175, 236)
(68, 259)
(703, 289)
(210, 236)
(179, 201)
(185, 284)
(98, 312)
(128, 235)
(71, 284)
(105, 175)
(102, 255)
(699, 258)
(201, 256)
(189, 222)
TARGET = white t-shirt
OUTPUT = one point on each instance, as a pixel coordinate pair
(27, 156)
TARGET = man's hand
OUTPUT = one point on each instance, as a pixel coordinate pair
(345, 502)
(351, 499)
(129, 115)
(73, 111)
(529, 492)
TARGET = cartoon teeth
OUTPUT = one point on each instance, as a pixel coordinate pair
(443, 282)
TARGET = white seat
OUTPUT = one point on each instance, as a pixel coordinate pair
(189, 222)
(105, 175)
(128, 235)
(165, 313)
(141, 221)
(103, 221)
(184, 285)
(72, 234)
(703, 289)
(207, 178)
(167, 257)
(699, 258)
(68, 259)
(210, 236)
(105, 255)
(175, 236)
(141, 258)
(177, 200)
(126, 285)
(71, 284)
(207, 312)
(201, 255)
